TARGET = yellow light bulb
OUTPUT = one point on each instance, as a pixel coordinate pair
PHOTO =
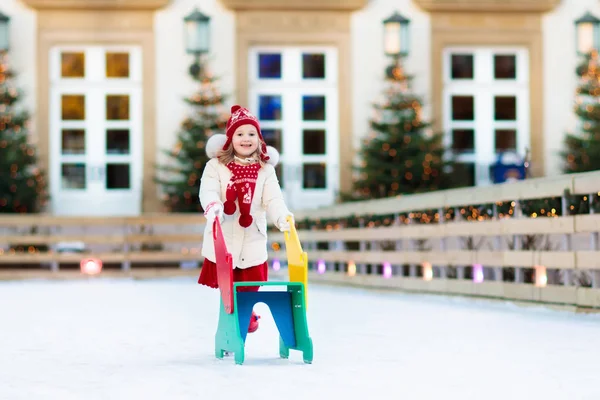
(351, 268)
(427, 271)
(541, 278)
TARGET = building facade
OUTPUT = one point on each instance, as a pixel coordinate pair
(105, 80)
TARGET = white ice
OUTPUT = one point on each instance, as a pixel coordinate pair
(153, 339)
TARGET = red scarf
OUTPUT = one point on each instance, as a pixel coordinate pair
(241, 187)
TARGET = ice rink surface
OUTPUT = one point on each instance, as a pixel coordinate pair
(154, 339)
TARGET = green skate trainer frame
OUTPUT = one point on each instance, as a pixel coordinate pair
(289, 312)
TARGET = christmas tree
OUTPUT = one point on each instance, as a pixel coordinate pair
(180, 176)
(22, 183)
(400, 155)
(583, 148)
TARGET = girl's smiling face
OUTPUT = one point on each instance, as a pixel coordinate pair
(245, 140)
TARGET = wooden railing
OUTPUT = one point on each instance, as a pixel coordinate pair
(49, 241)
(487, 257)
(552, 259)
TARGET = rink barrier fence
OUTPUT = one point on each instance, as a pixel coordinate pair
(564, 271)
(153, 239)
(48, 241)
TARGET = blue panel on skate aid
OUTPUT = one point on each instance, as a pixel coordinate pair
(280, 304)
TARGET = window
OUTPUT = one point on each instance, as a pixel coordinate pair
(73, 141)
(462, 66)
(117, 141)
(269, 65)
(73, 176)
(117, 65)
(313, 66)
(293, 90)
(486, 107)
(505, 66)
(72, 65)
(117, 107)
(505, 108)
(463, 108)
(463, 140)
(314, 176)
(313, 108)
(269, 108)
(313, 141)
(95, 127)
(273, 138)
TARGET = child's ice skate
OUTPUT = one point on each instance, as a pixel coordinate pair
(253, 322)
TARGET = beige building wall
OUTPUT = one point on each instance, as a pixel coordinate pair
(369, 61)
(173, 82)
(560, 80)
(286, 22)
(80, 22)
(23, 57)
(493, 23)
(545, 26)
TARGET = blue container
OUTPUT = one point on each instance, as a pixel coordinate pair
(507, 171)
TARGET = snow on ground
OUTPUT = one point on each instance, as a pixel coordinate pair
(153, 339)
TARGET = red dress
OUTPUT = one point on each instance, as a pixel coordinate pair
(259, 273)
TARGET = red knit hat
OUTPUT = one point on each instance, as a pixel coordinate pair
(242, 116)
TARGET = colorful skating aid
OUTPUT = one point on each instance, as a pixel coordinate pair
(287, 307)
(297, 259)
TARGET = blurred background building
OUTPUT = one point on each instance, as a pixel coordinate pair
(105, 82)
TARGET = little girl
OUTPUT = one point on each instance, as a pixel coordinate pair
(240, 181)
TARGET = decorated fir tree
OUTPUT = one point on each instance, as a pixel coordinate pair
(180, 176)
(400, 155)
(583, 147)
(22, 183)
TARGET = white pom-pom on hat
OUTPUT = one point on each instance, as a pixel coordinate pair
(214, 144)
(273, 155)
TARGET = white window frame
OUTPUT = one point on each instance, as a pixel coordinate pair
(291, 87)
(95, 199)
(483, 87)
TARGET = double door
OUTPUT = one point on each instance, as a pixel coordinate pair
(294, 93)
(486, 106)
(96, 132)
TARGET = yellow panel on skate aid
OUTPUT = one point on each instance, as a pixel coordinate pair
(297, 259)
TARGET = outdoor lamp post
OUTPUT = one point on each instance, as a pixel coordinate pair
(395, 41)
(588, 30)
(4, 19)
(197, 38)
(395, 35)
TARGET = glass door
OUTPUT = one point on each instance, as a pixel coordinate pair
(293, 91)
(96, 130)
(486, 106)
